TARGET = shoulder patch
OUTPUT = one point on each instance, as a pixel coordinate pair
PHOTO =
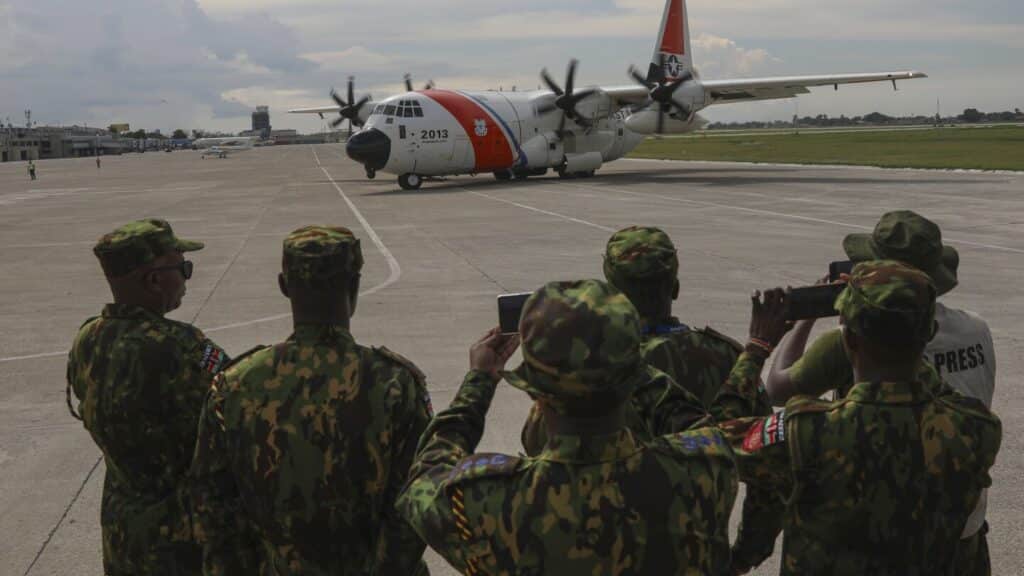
(699, 441)
(402, 361)
(234, 361)
(734, 344)
(766, 432)
(212, 358)
(483, 465)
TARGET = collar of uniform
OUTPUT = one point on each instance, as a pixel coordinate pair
(129, 311)
(578, 449)
(321, 333)
(671, 325)
(888, 393)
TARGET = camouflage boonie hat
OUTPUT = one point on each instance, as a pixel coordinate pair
(893, 288)
(581, 347)
(639, 253)
(912, 239)
(138, 243)
(315, 253)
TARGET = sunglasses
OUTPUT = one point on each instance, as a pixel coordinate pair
(185, 268)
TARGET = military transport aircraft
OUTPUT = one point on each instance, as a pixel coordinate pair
(432, 132)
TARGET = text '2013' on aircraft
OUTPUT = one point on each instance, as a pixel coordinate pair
(435, 132)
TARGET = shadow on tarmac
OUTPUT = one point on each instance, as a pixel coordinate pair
(726, 177)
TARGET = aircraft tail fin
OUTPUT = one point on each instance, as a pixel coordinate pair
(672, 55)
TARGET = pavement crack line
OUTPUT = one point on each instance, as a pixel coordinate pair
(223, 274)
(67, 510)
(468, 261)
(542, 211)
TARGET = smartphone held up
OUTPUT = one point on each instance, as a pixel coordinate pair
(510, 310)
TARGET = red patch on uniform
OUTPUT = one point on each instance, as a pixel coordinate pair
(771, 430)
(754, 440)
(491, 148)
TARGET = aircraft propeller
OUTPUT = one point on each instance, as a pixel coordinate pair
(349, 110)
(566, 100)
(408, 84)
(662, 92)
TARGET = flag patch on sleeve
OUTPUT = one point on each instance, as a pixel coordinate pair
(769, 431)
(213, 358)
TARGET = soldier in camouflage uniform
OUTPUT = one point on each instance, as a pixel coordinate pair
(306, 444)
(882, 481)
(642, 262)
(596, 500)
(140, 380)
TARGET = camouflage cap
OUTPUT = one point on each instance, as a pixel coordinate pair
(581, 346)
(315, 253)
(138, 243)
(908, 237)
(892, 288)
(639, 253)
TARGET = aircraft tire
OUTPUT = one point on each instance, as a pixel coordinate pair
(503, 175)
(410, 181)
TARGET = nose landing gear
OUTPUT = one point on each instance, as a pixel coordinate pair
(410, 181)
(371, 173)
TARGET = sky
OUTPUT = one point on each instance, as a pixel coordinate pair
(166, 64)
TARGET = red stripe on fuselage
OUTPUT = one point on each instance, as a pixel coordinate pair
(492, 150)
(672, 36)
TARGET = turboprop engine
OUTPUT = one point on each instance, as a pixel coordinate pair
(646, 122)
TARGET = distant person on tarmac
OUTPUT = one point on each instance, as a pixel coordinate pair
(32, 169)
(97, 162)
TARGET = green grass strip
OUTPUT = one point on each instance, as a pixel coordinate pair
(980, 148)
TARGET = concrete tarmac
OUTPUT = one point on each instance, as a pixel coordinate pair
(435, 260)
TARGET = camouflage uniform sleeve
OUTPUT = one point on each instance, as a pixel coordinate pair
(400, 549)
(823, 366)
(762, 454)
(742, 394)
(452, 435)
(668, 408)
(217, 508)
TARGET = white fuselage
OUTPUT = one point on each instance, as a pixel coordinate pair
(447, 132)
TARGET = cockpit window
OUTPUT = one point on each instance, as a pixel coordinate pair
(389, 110)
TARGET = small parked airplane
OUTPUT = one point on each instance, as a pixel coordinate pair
(221, 147)
(435, 132)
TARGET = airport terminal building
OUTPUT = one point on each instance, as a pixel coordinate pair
(19, 144)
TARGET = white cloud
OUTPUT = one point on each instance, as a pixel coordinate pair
(720, 57)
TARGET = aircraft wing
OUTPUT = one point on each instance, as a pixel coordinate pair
(321, 110)
(722, 91)
(628, 94)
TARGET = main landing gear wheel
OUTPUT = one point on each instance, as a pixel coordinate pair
(503, 175)
(410, 181)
